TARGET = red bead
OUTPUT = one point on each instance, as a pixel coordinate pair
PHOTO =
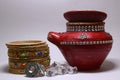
(31, 54)
(23, 64)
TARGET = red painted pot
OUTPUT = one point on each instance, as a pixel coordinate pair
(85, 44)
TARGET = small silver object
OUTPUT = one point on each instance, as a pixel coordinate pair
(34, 70)
(83, 36)
(60, 69)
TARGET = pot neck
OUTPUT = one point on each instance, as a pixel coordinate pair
(85, 26)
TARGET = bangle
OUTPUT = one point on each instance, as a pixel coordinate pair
(21, 53)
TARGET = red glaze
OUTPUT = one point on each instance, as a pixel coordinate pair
(85, 57)
(85, 16)
(85, 45)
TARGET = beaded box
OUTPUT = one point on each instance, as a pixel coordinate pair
(23, 52)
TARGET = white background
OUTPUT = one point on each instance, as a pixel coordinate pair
(33, 19)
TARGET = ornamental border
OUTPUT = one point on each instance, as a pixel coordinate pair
(86, 28)
(84, 23)
(86, 42)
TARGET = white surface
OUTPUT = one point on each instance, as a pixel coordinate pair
(33, 19)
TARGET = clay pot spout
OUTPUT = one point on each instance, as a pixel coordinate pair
(54, 37)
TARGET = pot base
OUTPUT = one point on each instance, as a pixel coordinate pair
(86, 57)
(93, 68)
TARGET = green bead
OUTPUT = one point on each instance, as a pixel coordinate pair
(45, 52)
(48, 60)
(23, 55)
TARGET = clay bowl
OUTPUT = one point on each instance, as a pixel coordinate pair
(85, 16)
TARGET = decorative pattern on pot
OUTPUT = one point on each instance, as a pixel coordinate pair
(86, 42)
(83, 27)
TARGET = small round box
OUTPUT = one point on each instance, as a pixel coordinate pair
(23, 52)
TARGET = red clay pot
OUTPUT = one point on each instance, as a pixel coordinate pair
(84, 44)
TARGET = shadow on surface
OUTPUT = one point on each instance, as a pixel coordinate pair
(4, 69)
(108, 65)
